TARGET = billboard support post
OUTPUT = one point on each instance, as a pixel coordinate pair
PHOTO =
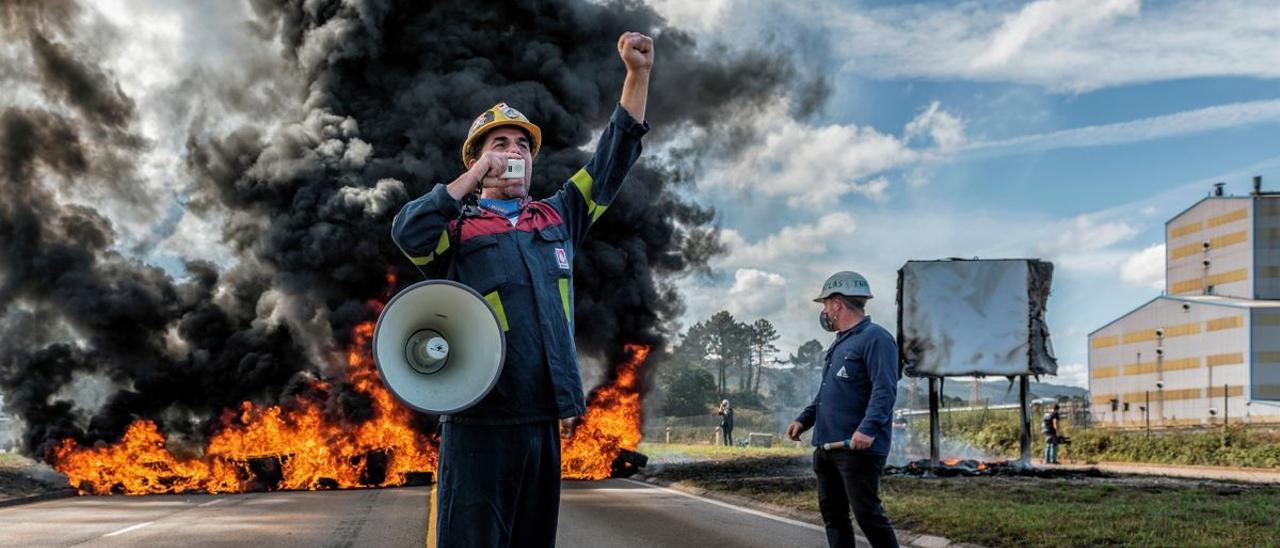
(1024, 387)
(934, 433)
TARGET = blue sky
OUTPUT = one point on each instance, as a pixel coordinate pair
(1063, 129)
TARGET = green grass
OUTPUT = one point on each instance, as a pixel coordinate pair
(997, 432)
(661, 451)
(1000, 512)
(1036, 512)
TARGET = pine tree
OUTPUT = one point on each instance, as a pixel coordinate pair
(762, 336)
(729, 346)
(808, 356)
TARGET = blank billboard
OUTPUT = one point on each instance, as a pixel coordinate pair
(975, 317)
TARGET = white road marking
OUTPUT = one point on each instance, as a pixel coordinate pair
(730, 506)
(210, 503)
(127, 529)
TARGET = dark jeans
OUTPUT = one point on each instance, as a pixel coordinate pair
(851, 479)
(499, 485)
(727, 434)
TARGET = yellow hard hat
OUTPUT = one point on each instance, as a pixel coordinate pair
(500, 115)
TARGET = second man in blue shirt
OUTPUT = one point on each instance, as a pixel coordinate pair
(851, 414)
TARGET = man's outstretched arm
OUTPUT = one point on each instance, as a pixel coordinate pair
(590, 191)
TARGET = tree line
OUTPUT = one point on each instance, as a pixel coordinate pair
(721, 357)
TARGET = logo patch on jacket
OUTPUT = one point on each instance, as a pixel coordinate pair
(562, 258)
(842, 373)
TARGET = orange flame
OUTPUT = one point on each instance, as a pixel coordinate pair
(612, 423)
(313, 451)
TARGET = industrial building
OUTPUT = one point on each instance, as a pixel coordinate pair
(1208, 350)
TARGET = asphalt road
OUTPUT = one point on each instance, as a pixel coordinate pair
(625, 513)
(613, 513)
(385, 517)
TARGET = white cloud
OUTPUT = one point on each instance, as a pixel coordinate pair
(1086, 233)
(1145, 268)
(1044, 19)
(1064, 45)
(788, 243)
(756, 294)
(1072, 374)
(809, 165)
(1156, 127)
(1075, 45)
(1085, 242)
(775, 276)
(946, 130)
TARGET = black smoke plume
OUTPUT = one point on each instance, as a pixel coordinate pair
(388, 89)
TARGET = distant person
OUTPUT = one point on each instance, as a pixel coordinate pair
(1052, 432)
(726, 423)
(900, 436)
(853, 405)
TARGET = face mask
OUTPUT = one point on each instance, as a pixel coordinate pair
(825, 321)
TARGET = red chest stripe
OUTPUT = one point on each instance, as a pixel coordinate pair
(535, 216)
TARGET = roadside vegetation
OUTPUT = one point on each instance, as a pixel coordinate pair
(1003, 511)
(1256, 446)
(19, 477)
(705, 452)
(9, 461)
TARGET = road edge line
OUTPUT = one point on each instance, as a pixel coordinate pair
(433, 498)
(905, 538)
(52, 495)
(133, 527)
(746, 507)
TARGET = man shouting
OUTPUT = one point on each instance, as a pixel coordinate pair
(499, 472)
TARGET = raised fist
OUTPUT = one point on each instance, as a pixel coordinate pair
(636, 50)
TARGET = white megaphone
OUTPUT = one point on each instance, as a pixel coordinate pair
(439, 347)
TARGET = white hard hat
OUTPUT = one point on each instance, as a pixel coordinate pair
(847, 283)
